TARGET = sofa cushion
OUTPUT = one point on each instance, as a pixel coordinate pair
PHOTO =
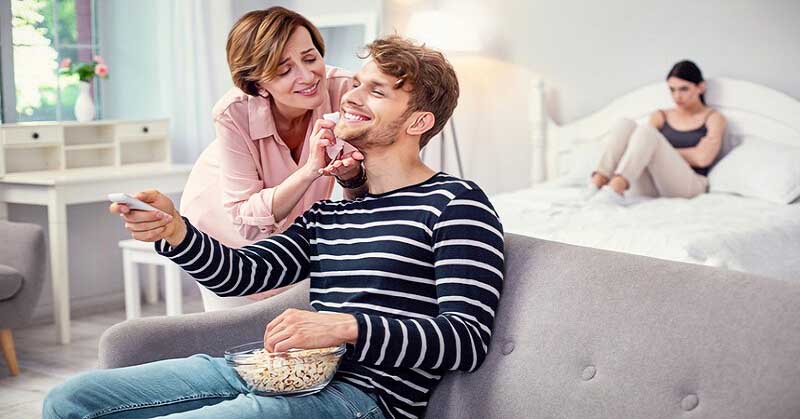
(10, 282)
(590, 334)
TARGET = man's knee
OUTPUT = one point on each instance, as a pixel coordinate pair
(55, 403)
(62, 402)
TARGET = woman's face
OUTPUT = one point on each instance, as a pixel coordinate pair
(685, 93)
(300, 79)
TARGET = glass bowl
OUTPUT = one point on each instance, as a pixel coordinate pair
(294, 372)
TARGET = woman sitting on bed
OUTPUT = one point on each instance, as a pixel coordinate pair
(671, 155)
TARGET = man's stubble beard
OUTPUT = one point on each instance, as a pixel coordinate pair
(375, 137)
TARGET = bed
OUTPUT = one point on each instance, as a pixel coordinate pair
(740, 231)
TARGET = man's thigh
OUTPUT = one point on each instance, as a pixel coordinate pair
(147, 390)
(337, 400)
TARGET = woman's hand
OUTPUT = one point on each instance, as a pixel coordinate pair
(321, 137)
(319, 164)
(150, 226)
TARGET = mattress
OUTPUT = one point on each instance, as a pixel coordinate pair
(713, 229)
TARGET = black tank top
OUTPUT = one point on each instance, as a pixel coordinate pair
(686, 139)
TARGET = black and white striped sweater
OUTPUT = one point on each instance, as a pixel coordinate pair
(420, 268)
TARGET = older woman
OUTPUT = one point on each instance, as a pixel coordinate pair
(255, 179)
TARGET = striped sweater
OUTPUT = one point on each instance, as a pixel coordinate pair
(420, 268)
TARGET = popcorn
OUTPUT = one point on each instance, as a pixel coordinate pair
(288, 372)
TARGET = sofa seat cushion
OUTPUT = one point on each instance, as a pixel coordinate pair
(10, 282)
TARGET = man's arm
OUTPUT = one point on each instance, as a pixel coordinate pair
(280, 260)
(469, 266)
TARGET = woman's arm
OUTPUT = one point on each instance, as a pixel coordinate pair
(705, 152)
(256, 210)
(657, 119)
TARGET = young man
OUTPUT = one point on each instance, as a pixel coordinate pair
(409, 277)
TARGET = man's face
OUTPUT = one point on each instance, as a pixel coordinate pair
(373, 112)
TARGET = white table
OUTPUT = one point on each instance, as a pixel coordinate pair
(59, 188)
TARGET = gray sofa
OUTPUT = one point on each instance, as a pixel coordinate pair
(580, 333)
(23, 269)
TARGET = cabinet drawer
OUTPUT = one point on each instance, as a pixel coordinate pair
(142, 128)
(31, 135)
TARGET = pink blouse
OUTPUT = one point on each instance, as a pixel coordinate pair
(230, 189)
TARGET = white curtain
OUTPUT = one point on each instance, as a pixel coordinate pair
(192, 36)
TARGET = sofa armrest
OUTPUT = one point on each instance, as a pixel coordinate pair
(151, 339)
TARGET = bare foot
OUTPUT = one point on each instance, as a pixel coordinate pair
(618, 184)
(599, 180)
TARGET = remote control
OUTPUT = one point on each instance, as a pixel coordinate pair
(131, 202)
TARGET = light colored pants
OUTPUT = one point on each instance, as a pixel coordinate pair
(644, 157)
(197, 387)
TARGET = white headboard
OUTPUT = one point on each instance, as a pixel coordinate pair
(749, 108)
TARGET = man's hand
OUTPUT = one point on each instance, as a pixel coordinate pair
(301, 329)
(150, 226)
(345, 167)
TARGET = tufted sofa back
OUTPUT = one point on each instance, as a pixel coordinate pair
(584, 333)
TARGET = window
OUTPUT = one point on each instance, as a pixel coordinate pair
(43, 33)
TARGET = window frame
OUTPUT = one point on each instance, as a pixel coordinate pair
(8, 94)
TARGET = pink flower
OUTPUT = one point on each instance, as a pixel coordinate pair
(65, 63)
(99, 60)
(101, 70)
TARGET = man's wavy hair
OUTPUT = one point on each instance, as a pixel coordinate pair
(431, 78)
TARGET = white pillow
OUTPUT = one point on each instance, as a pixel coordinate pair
(759, 169)
(580, 162)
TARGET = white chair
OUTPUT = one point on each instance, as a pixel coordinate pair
(133, 252)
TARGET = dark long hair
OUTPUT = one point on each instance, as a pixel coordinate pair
(689, 71)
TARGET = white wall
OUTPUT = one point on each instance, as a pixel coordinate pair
(352, 38)
(591, 52)
(131, 91)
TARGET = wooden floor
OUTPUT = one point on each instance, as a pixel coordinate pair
(44, 364)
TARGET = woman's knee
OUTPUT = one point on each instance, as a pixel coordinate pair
(622, 128)
(645, 132)
(624, 124)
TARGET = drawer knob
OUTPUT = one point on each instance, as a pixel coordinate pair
(35, 135)
(145, 130)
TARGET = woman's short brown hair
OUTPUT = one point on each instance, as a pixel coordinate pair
(256, 43)
(434, 85)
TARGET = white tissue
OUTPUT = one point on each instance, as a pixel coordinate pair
(334, 149)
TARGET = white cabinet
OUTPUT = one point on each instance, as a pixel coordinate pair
(45, 146)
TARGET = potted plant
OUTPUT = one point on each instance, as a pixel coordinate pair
(84, 105)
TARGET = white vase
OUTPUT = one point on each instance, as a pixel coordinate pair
(84, 105)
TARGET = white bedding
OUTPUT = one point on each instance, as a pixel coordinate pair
(713, 229)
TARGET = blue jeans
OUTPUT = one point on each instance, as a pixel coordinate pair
(196, 387)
